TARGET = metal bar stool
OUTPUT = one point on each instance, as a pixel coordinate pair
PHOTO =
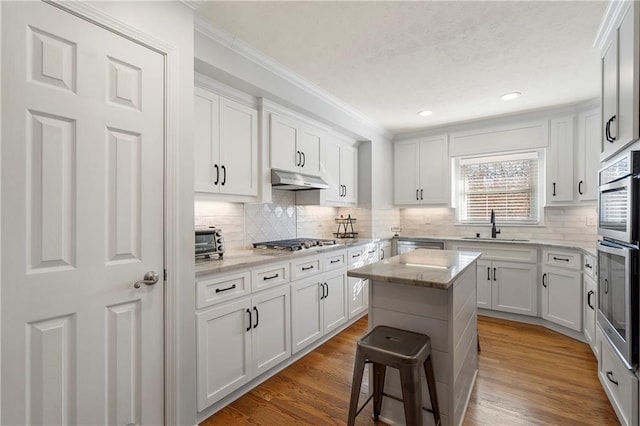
(406, 351)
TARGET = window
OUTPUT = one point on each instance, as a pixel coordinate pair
(507, 184)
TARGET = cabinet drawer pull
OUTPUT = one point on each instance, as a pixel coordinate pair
(224, 175)
(298, 158)
(306, 268)
(326, 286)
(217, 174)
(250, 320)
(591, 293)
(554, 189)
(257, 317)
(494, 274)
(580, 188)
(544, 277)
(271, 277)
(304, 159)
(588, 266)
(611, 379)
(488, 273)
(421, 191)
(353, 256)
(334, 261)
(220, 290)
(371, 251)
(560, 258)
(417, 192)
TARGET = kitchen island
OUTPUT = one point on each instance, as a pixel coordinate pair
(431, 292)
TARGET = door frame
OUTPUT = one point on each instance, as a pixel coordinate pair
(178, 396)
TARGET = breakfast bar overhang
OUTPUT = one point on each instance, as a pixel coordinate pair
(431, 292)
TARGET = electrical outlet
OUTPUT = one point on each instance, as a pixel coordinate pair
(591, 221)
(426, 220)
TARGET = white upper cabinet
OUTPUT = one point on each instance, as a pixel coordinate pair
(225, 145)
(573, 158)
(339, 165)
(621, 81)
(587, 155)
(560, 160)
(421, 171)
(295, 146)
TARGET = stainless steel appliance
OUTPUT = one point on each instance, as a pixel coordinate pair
(281, 179)
(406, 245)
(618, 298)
(294, 244)
(209, 241)
(618, 199)
(618, 256)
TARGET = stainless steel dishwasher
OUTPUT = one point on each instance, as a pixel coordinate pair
(406, 245)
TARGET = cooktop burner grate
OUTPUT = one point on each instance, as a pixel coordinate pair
(294, 244)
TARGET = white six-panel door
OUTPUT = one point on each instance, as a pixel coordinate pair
(82, 221)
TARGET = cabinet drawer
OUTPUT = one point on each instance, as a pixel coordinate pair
(335, 260)
(564, 259)
(269, 276)
(371, 254)
(305, 267)
(497, 251)
(218, 289)
(589, 266)
(619, 383)
(355, 257)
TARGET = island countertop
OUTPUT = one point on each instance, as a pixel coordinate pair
(422, 267)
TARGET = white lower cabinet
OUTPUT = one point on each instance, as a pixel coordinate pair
(620, 384)
(562, 297)
(590, 303)
(239, 340)
(318, 306)
(507, 286)
(357, 296)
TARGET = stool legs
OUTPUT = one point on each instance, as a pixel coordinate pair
(356, 382)
(411, 395)
(379, 373)
(431, 384)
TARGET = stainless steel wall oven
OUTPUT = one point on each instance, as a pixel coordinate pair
(618, 256)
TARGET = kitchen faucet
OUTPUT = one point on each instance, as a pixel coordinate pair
(494, 231)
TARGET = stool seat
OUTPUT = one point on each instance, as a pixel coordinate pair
(406, 351)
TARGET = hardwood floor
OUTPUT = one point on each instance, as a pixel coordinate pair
(528, 375)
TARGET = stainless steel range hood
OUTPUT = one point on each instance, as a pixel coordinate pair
(291, 181)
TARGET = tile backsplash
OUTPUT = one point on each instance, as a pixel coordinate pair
(560, 223)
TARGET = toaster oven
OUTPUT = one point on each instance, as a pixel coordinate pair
(209, 241)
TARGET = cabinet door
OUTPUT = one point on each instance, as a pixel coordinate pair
(560, 160)
(385, 251)
(357, 296)
(406, 169)
(284, 136)
(223, 368)
(514, 288)
(306, 312)
(271, 329)
(609, 99)
(483, 287)
(434, 171)
(206, 141)
(331, 164)
(309, 145)
(628, 75)
(335, 301)
(562, 297)
(349, 174)
(238, 148)
(588, 155)
(589, 312)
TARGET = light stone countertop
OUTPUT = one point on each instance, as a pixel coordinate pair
(238, 259)
(423, 267)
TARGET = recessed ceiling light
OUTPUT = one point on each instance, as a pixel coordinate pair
(510, 96)
(425, 113)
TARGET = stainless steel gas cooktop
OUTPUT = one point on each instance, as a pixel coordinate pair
(294, 244)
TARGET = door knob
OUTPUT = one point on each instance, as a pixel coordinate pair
(150, 278)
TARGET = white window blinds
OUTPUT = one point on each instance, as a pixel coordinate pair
(507, 184)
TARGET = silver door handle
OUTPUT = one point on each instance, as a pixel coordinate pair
(150, 278)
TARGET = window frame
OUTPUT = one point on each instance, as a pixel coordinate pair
(457, 185)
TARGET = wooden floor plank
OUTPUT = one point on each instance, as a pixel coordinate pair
(527, 375)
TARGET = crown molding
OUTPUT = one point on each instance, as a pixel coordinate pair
(610, 21)
(244, 49)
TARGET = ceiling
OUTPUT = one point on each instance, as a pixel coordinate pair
(391, 59)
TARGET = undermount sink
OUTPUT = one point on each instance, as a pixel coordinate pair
(493, 239)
